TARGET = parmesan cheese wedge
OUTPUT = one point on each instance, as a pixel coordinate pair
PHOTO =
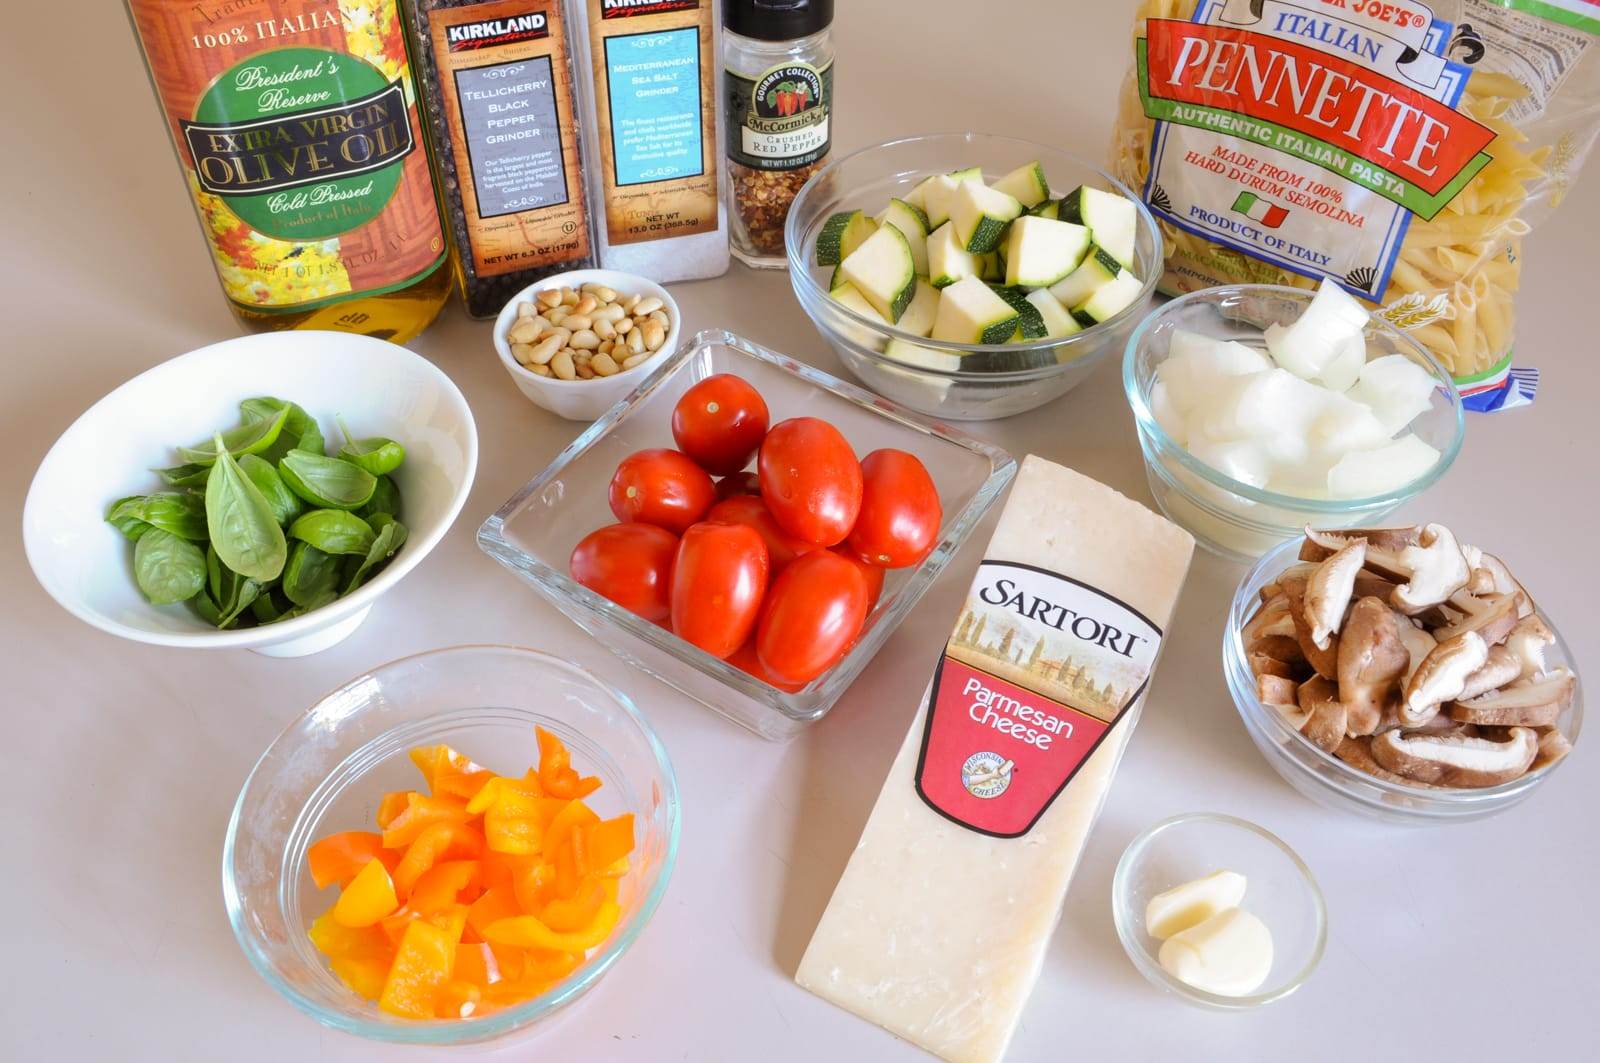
(938, 928)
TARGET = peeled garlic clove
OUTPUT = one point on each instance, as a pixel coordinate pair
(1229, 954)
(1193, 903)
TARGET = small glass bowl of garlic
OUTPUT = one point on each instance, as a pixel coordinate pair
(1218, 911)
(1262, 409)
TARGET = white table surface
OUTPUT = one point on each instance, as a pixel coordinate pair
(123, 760)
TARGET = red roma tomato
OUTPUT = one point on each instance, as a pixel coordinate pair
(661, 487)
(739, 483)
(750, 511)
(717, 582)
(900, 511)
(629, 563)
(745, 659)
(811, 616)
(871, 573)
(719, 423)
(810, 480)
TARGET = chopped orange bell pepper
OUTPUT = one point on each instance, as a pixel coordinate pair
(457, 999)
(369, 897)
(422, 812)
(421, 966)
(338, 857)
(444, 884)
(526, 931)
(446, 840)
(493, 905)
(478, 894)
(609, 840)
(571, 914)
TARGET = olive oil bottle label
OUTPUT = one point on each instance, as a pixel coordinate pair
(506, 104)
(656, 105)
(296, 123)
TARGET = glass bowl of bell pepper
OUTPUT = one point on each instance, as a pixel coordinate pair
(451, 847)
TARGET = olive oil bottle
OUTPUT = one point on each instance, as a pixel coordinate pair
(297, 127)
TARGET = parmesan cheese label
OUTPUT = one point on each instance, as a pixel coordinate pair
(1037, 672)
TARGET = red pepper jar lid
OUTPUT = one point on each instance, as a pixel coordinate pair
(777, 20)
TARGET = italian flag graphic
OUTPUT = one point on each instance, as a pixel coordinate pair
(1264, 211)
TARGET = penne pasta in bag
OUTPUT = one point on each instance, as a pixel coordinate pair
(1399, 148)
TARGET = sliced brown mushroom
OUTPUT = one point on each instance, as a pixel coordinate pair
(1436, 568)
(1278, 694)
(1441, 676)
(1328, 591)
(1322, 543)
(1493, 617)
(1357, 752)
(1266, 664)
(1271, 619)
(1553, 745)
(1528, 641)
(1325, 659)
(1325, 713)
(1418, 644)
(1272, 589)
(1500, 668)
(1456, 760)
(1371, 661)
(1503, 581)
(1536, 704)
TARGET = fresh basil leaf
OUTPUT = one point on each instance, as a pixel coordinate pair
(385, 499)
(252, 437)
(190, 475)
(184, 515)
(284, 502)
(376, 454)
(269, 606)
(206, 608)
(328, 483)
(244, 530)
(167, 567)
(390, 538)
(333, 531)
(300, 431)
(310, 574)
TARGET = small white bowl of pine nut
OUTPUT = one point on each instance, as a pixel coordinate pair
(581, 372)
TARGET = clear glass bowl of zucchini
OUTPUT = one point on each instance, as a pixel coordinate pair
(970, 276)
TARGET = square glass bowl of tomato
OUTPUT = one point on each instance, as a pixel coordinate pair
(535, 532)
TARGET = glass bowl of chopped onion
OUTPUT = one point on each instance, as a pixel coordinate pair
(1245, 452)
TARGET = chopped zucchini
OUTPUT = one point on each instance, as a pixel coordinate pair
(1110, 216)
(917, 197)
(912, 222)
(921, 357)
(1108, 300)
(981, 214)
(841, 234)
(1096, 269)
(846, 295)
(970, 312)
(948, 261)
(1040, 252)
(990, 267)
(939, 192)
(1030, 326)
(1058, 320)
(882, 270)
(920, 312)
(1050, 208)
(1026, 184)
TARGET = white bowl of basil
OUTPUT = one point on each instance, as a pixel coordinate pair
(342, 461)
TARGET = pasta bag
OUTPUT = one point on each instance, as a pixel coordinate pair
(1400, 149)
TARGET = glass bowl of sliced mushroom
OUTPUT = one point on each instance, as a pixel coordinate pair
(1401, 673)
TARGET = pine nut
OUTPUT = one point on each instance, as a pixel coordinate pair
(600, 292)
(604, 329)
(542, 370)
(610, 312)
(604, 365)
(629, 302)
(586, 304)
(557, 316)
(584, 339)
(526, 330)
(623, 325)
(562, 366)
(527, 310)
(522, 352)
(654, 334)
(659, 317)
(645, 306)
(636, 341)
(550, 298)
(576, 321)
(569, 297)
(634, 360)
(545, 349)
(585, 372)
